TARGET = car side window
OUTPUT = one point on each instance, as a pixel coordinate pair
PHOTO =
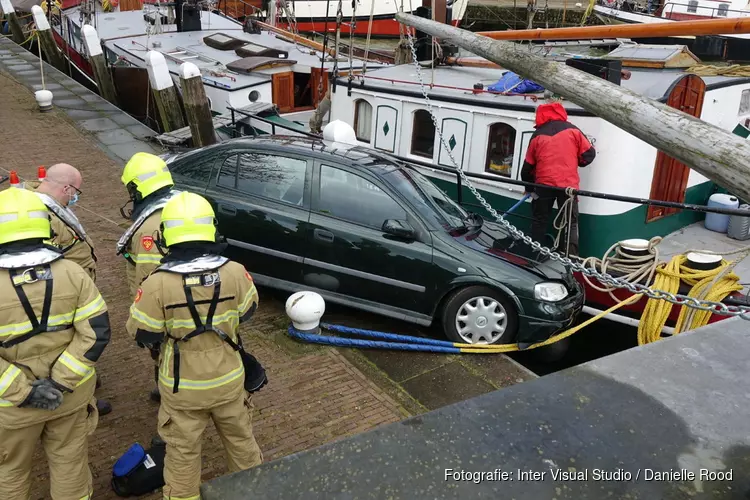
(196, 169)
(353, 198)
(228, 172)
(276, 177)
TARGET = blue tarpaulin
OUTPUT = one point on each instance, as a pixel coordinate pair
(511, 83)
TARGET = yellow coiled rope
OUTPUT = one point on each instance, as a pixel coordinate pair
(714, 285)
(709, 70)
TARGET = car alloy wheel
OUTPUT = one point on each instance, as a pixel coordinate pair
(481, 320)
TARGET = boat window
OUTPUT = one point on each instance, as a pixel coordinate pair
(422, 134)
(745, 102)
(353, 198)
(278, 178)
(363, 120)
(692, 6)
(723, 9)
(500, 147)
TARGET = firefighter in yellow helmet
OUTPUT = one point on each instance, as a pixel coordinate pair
(150, 187)
(192, 305)
(53, 328)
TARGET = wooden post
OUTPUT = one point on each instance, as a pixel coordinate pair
(165, 94)
(102, 75)
(54, 57)
(15, 25)
(715, 153)
(196, 106)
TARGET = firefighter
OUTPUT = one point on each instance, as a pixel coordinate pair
(149, 186)
(59, 190)
(192, 306)
(53, 328)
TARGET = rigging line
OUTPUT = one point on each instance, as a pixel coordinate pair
(369, 32)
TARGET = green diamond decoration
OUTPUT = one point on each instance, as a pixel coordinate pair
(452, 142)
(386, 128)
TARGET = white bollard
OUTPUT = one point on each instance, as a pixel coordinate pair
(7, 7)
(341, 132)
(42, 24)
(91, 40)
(305, 310)
(158, 71)
(44, 100)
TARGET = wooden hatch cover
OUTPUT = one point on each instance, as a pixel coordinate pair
(250, 64)
(248, 50)
(220, 41)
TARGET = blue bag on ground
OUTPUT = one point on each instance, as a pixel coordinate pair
(511, 83)
(139, 471)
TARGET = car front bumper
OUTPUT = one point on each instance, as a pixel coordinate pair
(542, 319)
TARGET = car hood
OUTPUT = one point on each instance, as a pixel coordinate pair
(493, 240)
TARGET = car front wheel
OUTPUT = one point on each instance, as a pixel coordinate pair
(479, 315)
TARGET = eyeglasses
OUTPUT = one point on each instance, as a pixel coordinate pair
(78, 191)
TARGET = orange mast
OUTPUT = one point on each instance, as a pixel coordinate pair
(650, 30)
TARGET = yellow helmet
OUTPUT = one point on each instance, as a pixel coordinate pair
(144, 174)
(23, 216)
(188, 217)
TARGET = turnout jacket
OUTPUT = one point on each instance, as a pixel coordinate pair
(138, 246)
(556, 150)
(188, 307)
(62, 338)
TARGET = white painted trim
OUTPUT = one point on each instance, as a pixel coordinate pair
(158, 71)
(91, 40)
(42, 24)
(189, 70)
(7, 7)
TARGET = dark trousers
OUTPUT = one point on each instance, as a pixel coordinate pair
(541, 209)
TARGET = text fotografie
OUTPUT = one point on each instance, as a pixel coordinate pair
(572, 474)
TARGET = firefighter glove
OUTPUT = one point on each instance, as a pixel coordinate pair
(44, 395)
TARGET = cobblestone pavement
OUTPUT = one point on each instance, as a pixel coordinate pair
(314, 394)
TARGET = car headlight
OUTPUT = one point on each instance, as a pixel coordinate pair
(550, 292)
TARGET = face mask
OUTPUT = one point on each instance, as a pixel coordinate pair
(73, 200)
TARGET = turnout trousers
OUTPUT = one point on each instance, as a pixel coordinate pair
(182, 430)
(65, 443)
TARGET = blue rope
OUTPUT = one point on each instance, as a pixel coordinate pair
(518, 204)
(385, 336)
(368, 344)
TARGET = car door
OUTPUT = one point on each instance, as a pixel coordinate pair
(349, 254)
(262, 201)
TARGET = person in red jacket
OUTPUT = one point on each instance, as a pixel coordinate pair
(555, 152)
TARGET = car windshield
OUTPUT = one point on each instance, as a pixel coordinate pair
(430, 200)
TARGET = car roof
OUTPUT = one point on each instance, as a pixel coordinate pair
(358, 156)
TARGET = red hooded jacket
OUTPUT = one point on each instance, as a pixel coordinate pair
(556, 149)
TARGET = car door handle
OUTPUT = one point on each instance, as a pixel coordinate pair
(226, 209)
(323, 235)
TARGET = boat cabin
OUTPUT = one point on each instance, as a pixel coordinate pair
(488, 134)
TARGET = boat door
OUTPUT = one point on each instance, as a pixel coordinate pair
(670, 178)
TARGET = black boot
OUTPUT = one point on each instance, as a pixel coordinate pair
(103, 406)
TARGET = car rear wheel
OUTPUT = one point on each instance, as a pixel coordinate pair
(479, 315)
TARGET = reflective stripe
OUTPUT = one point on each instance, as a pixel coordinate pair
(8, 217)
(38, 214)
(25, 326)
(87, 497)
(5, 403)
(89, 309)
(245, 305)
(76, 367)
(157, 324)
(147, 258)
(9, 375)
(171, 497)
(231, 317)
(197, 385)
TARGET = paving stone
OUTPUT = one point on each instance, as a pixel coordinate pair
(73, 102)
(20, 67)
(446, 385)
(82, 114)
(401, 366)
(98, 124)
(49, 86)
(125, 119)
(127, 150)
(141, 131)
(93, 98)
(116, 136)
(29, 72)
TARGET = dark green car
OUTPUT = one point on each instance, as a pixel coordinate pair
(370, 232)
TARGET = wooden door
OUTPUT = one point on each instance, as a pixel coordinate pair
(282, 90)
(318, 81)
(670, 176)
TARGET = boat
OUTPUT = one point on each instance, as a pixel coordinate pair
(241, 64)
(363, 17)
(731, 46)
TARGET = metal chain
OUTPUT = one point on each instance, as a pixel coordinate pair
(607, 279)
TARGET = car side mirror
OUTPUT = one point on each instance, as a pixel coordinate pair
(400, 228)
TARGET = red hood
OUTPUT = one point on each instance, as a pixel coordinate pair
(550, 112)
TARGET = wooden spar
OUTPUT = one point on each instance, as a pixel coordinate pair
(378, 56)
(715, 153)
(645, 30)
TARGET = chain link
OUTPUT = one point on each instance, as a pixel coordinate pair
(607, 279)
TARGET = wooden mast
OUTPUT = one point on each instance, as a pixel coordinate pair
(650, 30)
(715, 153)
